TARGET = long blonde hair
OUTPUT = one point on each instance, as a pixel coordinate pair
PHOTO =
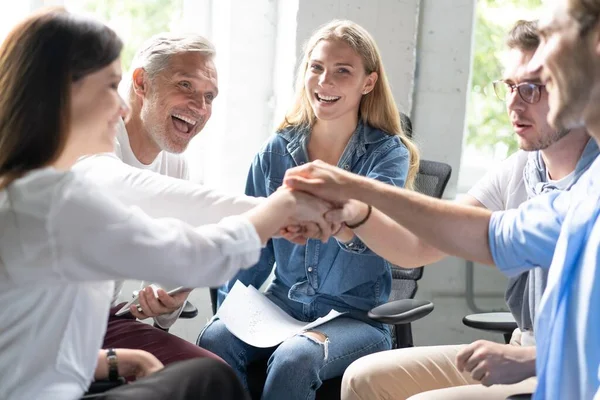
(377, 108)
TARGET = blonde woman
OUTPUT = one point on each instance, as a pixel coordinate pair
(344, 114)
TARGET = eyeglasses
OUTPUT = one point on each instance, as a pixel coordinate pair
(529, 92)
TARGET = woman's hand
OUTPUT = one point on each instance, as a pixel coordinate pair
(131, 362)
(351, 213)
(309, 213)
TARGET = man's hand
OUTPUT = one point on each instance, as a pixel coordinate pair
(299, 234)
(162, 303)
(322, 180)
(131, 362)
(493, 363)
(351, 212)
(310, 212)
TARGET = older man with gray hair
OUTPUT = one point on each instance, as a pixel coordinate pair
(170, 90)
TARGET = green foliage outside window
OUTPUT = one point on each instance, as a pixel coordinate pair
(487, 120)
(134, 20)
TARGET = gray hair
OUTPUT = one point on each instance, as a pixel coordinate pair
(155, 54)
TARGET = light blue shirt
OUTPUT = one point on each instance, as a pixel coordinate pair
(560, 229)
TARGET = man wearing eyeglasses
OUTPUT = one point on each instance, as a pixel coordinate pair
(549, 160)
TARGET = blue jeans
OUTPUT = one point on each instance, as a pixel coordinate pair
(298, 366)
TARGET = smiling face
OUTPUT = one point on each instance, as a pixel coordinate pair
(177, 102)
(96, 109)
(566, 62)
(335, 80)
(529, 121)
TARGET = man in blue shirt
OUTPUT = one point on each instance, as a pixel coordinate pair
(558, 229)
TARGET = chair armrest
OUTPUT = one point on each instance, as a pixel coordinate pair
(522, 396)
(189, 311)
(501, 322)
(102, 386)
(399, 312)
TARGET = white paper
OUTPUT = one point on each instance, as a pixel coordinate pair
(256, 320)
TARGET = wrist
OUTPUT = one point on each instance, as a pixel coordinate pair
(363, 209)
(360, 222)
(112, 361)
(344, 235)
(529, 361)
(361, 188)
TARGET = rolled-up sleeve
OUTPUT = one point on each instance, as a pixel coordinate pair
(524, 238)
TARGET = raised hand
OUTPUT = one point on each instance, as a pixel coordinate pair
(322, 180)
(310, 214)
(351, 212)
(299, 234)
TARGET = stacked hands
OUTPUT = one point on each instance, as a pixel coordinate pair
(323, 206)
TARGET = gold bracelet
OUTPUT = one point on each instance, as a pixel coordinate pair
(359, 223)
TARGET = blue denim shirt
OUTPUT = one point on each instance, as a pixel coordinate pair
(345, 276)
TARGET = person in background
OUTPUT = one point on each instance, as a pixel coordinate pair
(173, 77)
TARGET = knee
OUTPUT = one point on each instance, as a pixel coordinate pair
(212, 334)
(357, 380)
(298, 355)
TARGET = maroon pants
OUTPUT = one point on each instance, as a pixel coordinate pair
(127, 332)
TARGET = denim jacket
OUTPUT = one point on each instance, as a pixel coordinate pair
(345, 276)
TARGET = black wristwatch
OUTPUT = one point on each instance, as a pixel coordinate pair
(113, 365)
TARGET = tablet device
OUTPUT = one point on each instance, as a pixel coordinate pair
(136, 300)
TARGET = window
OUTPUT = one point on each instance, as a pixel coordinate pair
(489, 135)
(255, 42)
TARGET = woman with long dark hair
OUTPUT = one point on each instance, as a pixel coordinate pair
(63, 241)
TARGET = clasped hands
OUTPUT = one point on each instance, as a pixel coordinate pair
(323, 203)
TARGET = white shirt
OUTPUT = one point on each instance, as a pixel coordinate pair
(165, 163)
(132, 183)
(503, 187)
(62, 243)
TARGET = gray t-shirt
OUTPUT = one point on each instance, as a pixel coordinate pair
(504, 188)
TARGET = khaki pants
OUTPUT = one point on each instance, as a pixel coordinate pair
(426, 373)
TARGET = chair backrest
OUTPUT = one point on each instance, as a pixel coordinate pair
(431, 180)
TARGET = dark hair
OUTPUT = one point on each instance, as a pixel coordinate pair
(524, 35)
(586, 12)
(39, 60)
